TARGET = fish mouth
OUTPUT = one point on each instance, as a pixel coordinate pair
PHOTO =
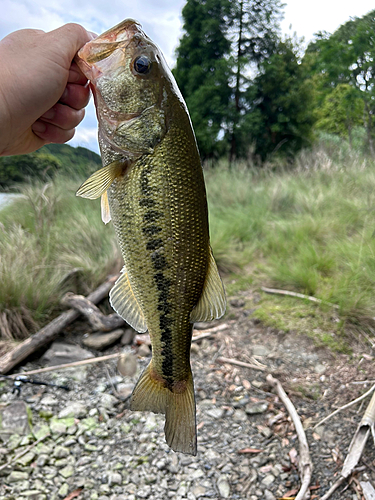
(104, 45)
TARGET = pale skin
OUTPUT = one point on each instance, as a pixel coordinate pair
(42, 92)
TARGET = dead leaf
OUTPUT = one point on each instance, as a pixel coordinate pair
(293, 456)
(200, 425)
(246, 384)
(73, 494)
(316, 436)
(291, 493)
(285, 442)
(249, 450)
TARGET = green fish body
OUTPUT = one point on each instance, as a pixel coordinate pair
(153, 190)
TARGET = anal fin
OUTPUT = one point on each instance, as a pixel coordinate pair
(150, 394)
(125, 303)
(212, 302)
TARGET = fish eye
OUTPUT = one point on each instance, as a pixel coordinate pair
(142, 65)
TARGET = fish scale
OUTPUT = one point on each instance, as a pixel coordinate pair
(152, 188)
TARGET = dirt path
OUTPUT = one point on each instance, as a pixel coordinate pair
(113, 453)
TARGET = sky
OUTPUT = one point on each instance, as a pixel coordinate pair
(161, 20)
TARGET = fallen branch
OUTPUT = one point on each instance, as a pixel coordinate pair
(305, 464)
(299, 295)
(68, 365)
(50, 331)
(98, 320)
(230, 361)
(352, 403)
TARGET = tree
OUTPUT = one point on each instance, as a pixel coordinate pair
(348, 56)
(283, 113)
(254, 28)
(202, 70)
(341, 111)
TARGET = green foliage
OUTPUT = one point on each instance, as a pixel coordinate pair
(347, 57)
(342, 110)
(283, 116)
(46, 162)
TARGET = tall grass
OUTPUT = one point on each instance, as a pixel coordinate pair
(309, 228)
(51, 241)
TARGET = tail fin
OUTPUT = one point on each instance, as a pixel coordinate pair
(179, 408)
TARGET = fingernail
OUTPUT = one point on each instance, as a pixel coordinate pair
(39, 127)
(93, 35)
(50, 114)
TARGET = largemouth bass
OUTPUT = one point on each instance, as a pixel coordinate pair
(152, 188)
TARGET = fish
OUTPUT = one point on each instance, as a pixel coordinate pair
(152, 188)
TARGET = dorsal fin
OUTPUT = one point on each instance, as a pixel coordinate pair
(125, 303)
(211, 304)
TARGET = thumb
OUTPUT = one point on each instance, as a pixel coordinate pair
(70, 38)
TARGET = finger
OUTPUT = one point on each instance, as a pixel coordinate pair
(76, 75)
(63, 116)
(72, 37)
(75, 96)
(50, 133)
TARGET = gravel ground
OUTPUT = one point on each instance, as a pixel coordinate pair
(93, 447)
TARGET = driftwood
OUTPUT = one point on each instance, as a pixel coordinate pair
(98, 320)
(50, 331)
(305, 464)
(298, 295)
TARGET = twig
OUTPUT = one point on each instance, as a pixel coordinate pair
(26, 450)
(305, 464)
(68, 365)
(352, 403)
(241, 363)
(202, 334)
(299, 295)
(338, 483)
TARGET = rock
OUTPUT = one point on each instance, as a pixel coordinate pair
(319, 368)
(255, 408)
(14, 419)
(268, 495)
(67, 471)
(215, 413)
(27, 458)
(61, 452)
(101, 340)
(239, 416)
(75, 409)
(16, 476)
(114, 478)
(128, 336)
(49, 401)
(60, 353)
(237, 302)
(124, 390)
(109, 401)
(127, 364)
(223, 486)
(144, 351)
(260, 350)
(269, 479)
(64, 490)
(57, 427)
(41, 431)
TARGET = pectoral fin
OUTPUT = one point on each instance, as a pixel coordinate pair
(211, 304)
(98, 183)
(125, 303)
(106, 214)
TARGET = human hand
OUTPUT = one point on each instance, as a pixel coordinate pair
(42, 92)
